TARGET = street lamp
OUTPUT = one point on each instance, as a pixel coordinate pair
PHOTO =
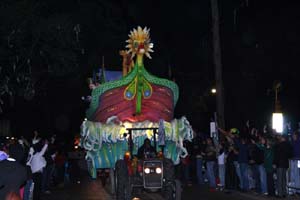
(277, 122)
(277, 116)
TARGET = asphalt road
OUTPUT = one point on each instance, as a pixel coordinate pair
(84, 188)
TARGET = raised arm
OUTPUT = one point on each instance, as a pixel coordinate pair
(226, 133)
(42, 152)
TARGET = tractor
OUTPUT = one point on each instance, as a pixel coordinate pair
(155, 174)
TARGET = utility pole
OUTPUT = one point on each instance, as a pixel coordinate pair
(217, 60)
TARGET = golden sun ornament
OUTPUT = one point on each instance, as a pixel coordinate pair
(139, 42)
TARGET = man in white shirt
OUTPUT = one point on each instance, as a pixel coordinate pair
(37, 163)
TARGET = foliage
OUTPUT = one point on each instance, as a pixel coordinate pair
(35, 44)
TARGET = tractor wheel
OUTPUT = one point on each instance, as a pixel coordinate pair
(122, 181)
(91, 169)
(112, 181)
(173, 190)
(103, 177)
(169, 169)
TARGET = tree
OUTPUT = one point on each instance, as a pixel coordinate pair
(35, 45)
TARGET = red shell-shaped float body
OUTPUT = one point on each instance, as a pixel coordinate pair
(158, 106)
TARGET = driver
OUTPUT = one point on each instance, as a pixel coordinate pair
(146, 150)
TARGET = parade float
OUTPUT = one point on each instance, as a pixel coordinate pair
(124, 112)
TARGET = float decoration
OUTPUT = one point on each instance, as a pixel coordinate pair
(137, 100)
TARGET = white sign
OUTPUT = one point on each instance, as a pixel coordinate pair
(212, 129)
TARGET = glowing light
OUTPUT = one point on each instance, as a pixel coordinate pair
(147, 170)
(127, 155)
(213, 90)
(277, 122)
(158, 170)
(76, 147)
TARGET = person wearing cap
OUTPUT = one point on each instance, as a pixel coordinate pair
(242, 166)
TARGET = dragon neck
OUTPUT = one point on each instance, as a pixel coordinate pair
(140, 59)
(139, 83)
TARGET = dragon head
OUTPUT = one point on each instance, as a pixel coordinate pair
(139, 42)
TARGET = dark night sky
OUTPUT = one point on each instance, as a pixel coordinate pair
(259, 46)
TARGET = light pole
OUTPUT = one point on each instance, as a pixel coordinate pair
(217, 63)
(214, 122)
(277, 116)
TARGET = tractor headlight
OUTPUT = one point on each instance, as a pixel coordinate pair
(158, 170)
(147, 170)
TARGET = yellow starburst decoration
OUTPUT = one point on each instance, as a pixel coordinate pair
(139, 42)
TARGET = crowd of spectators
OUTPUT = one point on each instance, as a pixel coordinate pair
(264, 163)
(29, 168)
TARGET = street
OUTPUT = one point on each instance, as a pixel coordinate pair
(82, 187)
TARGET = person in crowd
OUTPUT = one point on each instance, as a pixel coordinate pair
(36, 137)
(296, 145)
(231, 180)
(37, 164)
(28, 188)
(48, 172)
(67, 172)
(60, 160)
(146, 150)
(25, 147)
(12, 174)
(267, 146)
(242, 148)
(49, 169)
(24, 142)
(186, 163)
(259, 162)
(199, 145)
(210, 157)
(221, 165)
(252, 172)
(282, 154)
(295, 172)
(18, 151)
